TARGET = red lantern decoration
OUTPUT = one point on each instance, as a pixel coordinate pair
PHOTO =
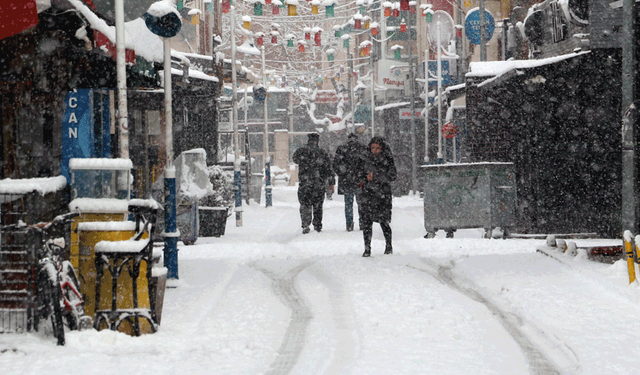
(374, 31)
(317, 38)
(274, 39)
(307, 35)
(276, 9)
(403, 26)
(260, 40)
(404, 4)
(226, 6)
(387, 12)
(301, 47)
(396, 12)
(268, 2)
(358, 24)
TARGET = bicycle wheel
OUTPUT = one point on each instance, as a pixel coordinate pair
(74, 305)
(51, 298)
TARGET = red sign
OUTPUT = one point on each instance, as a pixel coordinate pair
(17, 16)
(450, 130)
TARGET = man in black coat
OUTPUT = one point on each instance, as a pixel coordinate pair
(347, 164)
(314, 172)
(379, 171)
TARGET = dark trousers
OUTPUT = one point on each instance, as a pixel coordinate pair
(367, 233)
(311, 207)
(348, 209)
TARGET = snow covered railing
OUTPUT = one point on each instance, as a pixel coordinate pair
(126, 246)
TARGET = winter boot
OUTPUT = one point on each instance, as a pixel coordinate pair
(367, 251)
(350, 227)
(305, 230)
(388, 249)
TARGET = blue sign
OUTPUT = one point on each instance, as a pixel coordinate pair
(444, 70)
(79, 127)
(472, 26)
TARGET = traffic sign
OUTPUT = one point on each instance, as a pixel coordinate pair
(450, 130)
(472, 25)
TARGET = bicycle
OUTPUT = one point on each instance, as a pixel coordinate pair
(55, 283)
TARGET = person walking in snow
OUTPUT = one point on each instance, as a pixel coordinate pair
(347, 163)
(314, 172)
(378, 172)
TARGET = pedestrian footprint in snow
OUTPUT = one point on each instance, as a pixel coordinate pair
(379, 170)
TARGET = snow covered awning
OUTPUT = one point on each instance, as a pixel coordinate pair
(497, 71)
(43, 185)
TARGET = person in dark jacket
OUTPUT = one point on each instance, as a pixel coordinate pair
(347, 164)
(314, 172)
(378, 172)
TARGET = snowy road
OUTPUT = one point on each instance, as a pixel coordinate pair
(265, 299)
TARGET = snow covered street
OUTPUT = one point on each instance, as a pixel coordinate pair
(266, 299)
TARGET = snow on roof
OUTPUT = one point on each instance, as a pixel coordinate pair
(43, 185)
(146, 44)
(392, 105)
(192, 74)
(498, 68)
(100, 164)
(99, 24)
(103, 205)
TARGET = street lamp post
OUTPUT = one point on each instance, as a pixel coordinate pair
(121, 76)
(237, 179)
(267, 158)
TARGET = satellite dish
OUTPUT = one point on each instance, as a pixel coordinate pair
(447, 29)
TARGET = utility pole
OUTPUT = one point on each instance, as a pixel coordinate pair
(237, 179)
(412, 79)
(121, 76)
(629, 133)
(483, 32)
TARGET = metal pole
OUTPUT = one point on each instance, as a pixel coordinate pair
(267, 158)
(237, 179)
(629, 136)
(350, 84)
(426, 106)
(373, 104)
(412, 79)
(439, 56)
(170, 227)
(483, 33)
(121, 76)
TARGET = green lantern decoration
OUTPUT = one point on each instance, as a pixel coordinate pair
(345, 42)
(209, 6)
(180, 4)
(337, 34)
(396, 54)
(363, 10)
(290, 43)
(330, 57)
(329, 10)
(429, 17)
(257, 9)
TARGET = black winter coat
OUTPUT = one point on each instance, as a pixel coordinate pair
(314, 168)
(347, 164)
(376, 198)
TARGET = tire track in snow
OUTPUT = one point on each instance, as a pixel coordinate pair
(345, 329)
(538, 361)
(294, 337)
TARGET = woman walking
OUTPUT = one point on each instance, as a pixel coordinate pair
(378, 173)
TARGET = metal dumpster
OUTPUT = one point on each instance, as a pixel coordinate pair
(474, 195)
